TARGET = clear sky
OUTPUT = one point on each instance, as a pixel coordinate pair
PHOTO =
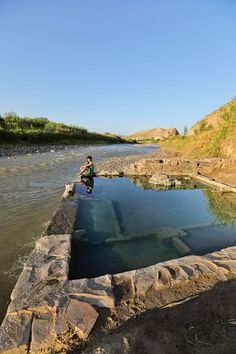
(117, 65)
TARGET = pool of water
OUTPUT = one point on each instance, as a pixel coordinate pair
(123, 225)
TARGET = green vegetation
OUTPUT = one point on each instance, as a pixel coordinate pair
(213, 136)
(223, 206)
(18, 130)
(147, 141)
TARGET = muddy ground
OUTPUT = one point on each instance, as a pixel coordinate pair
(205, 324)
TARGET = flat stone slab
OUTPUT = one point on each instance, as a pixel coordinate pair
(64, 218)
(81, 315)
(15, 332)
(97, 291)
(46, 269)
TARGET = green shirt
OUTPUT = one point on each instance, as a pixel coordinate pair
(90, 169)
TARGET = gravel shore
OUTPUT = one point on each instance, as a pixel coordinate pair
(120, 163)
(13, 150)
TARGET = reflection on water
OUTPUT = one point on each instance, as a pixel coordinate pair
(124, 226)
(222, 205)
(88, 183)
(30, 189)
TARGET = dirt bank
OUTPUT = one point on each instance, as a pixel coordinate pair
(205, 324)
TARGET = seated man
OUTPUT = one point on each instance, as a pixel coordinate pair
(88, 168)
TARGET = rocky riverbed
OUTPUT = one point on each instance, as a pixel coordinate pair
(122, 163)
(14, 150)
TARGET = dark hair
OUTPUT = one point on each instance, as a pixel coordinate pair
(89, 158)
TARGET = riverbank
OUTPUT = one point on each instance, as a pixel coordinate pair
(9, 150)
(15, 150)
(221, 170)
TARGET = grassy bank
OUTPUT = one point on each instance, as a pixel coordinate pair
(213, 136)
(24, 130)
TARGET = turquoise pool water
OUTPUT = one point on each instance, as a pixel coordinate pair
(123, 225)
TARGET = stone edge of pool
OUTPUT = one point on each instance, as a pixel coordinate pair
(47, 309)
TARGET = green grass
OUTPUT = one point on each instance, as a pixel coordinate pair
(208, 141)
(18, 130)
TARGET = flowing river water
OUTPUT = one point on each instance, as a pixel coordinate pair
(30, 189)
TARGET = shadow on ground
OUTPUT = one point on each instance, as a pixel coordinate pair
(205, 324)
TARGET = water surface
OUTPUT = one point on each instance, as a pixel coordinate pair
(30, 189)
(128, 226)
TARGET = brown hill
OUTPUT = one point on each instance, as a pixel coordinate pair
(212, 136)
(154, 134)
(212, 120)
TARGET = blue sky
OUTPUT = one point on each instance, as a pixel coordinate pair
(119, 66)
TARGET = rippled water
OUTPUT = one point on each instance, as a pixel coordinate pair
(30, 189)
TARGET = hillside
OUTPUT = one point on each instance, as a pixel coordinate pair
(154, 134)
(25, 130)
(212, 136)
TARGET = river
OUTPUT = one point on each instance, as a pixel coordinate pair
(30, 189)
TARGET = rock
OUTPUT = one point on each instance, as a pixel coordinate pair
(82, 316)
(61, 325)
(58, 269)
(97, 291)
(15, 332)
(69, 190)
(181, 246)
(144, 279)
(79, 234)
(124, 286)
(177, 182)
(112, 173)
(43, 335)
(162, 179)
(64, 218)
(45, 271)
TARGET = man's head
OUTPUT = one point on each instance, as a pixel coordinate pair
(89, 158)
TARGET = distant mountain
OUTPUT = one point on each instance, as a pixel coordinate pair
(154, 134)
(212, 136)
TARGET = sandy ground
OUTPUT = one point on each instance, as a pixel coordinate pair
(205, 324)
